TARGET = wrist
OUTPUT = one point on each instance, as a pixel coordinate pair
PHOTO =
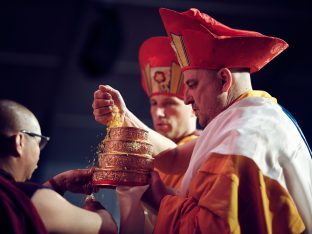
(56, 187)
(128, 119)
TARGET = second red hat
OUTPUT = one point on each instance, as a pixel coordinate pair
(160, 70)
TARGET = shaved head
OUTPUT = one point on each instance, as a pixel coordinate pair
(19, 152)
(14, 117)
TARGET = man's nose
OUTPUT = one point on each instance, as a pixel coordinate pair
(160, 112)
(187, 98)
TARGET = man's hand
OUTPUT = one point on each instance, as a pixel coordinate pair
(91, 204)
(75, 181)
(103, 101)
(156, 192)
(108, 223)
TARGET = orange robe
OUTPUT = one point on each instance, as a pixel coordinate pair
(239, 178)
(229, 194)
(170, 180)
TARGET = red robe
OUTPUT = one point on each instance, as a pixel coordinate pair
(17, 213)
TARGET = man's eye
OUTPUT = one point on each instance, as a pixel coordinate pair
(191, 84)
(169, 104)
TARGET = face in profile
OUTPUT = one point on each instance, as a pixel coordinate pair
(31, 150)
(203, 91)
(171, 117)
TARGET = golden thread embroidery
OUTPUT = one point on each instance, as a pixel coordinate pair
(179, 48)
(161, 81)
(176, 78)
(147, 77)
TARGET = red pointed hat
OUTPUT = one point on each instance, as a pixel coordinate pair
(202, 42)
(160, 70)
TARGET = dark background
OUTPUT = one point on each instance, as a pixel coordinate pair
(55, 53)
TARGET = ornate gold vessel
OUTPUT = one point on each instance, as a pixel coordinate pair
(127, 133)
(124, 158)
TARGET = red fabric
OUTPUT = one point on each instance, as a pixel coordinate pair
(75, 181)
(17, 213)
(209, 44)
(157, 52)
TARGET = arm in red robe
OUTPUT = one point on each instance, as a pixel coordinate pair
(17, 213)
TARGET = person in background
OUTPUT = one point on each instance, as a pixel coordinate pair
(27, 207)
(251, 169)
(162, 81)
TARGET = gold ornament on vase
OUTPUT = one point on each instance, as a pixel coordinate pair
(124, 155)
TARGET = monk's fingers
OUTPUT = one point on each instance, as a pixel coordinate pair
(108, 89)
(103, 119)
(100, 103)
(99, 94)
(115, 94)
(106, 110)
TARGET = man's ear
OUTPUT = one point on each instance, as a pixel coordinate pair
(225, 75)
(19, 143)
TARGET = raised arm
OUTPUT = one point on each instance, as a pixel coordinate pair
(176, 160)
(104, 99)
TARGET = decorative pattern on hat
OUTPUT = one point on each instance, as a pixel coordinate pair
(160, 72)
(180, 50)
(164, 80)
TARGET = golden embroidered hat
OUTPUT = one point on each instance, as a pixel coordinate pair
(160, 70)
(202, 42)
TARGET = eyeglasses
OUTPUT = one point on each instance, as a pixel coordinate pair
(43, 139)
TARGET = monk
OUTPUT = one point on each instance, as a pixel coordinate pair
(250, 170)
(27, 207)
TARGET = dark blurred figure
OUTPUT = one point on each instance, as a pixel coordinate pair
(104, 41)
